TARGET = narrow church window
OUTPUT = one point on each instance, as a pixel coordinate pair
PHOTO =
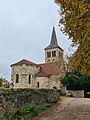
(29, 79)
(53, 53)
(59, 54)
(17, 78)
(48, 54)
(37, 84)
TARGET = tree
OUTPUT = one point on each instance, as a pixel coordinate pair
(4, 82)
(1, 80)
(75, 22)
(74, 80)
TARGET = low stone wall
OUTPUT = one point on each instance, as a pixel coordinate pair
(14, 99)
(76, 93)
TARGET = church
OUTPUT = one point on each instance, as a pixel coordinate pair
(27, 74)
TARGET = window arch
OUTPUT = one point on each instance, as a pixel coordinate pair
(17, 78)
(38, 85)
(60, 54)
(48, 54)
(29, 80)
(53, 53)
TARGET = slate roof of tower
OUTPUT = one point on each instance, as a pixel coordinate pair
(53, 43)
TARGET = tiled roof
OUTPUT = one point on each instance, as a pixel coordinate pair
(48, 69)
(53, 43)
(24, 61)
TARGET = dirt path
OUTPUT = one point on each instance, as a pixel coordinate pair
(67, 109)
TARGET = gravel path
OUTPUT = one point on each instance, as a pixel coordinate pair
(67, 109)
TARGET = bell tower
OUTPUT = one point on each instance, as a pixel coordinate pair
(53, 52)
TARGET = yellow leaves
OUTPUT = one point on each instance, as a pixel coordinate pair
(81, 58)
(76, 21)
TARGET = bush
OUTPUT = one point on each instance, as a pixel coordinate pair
(27, 111)
(74, 80)
(5, 89)
(2, 118)
(24, 103)
(54, 98)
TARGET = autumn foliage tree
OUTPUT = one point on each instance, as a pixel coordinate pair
(75, 22)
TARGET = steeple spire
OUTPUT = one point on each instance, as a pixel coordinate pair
(53, 52)
(53, 43)
(53, 38)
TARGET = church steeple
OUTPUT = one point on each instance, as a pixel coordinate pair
(53, 43)
(53, 52)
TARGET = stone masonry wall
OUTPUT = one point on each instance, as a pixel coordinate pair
(24, 71)
(76, 93)
(59, 55)
(14, 99)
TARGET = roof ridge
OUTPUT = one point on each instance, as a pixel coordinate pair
(24, 61)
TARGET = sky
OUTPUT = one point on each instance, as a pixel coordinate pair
(25, 30)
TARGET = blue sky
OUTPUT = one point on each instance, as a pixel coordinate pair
(25, 30)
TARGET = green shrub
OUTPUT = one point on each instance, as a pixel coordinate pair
(27, 111)
(74, 80)
(42, 107)
(5, 89)
(2, 118)
(54, 98)
(24, 111)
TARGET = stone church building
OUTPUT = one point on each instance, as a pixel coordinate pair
(27, 74)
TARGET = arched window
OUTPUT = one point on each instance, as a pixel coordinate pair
(17, 78)
(53, 53)
(48, 54)
(29, 80)
(60, 54)
(37, 84)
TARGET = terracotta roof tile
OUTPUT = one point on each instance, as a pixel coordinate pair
(48, 69)
(24, 61)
